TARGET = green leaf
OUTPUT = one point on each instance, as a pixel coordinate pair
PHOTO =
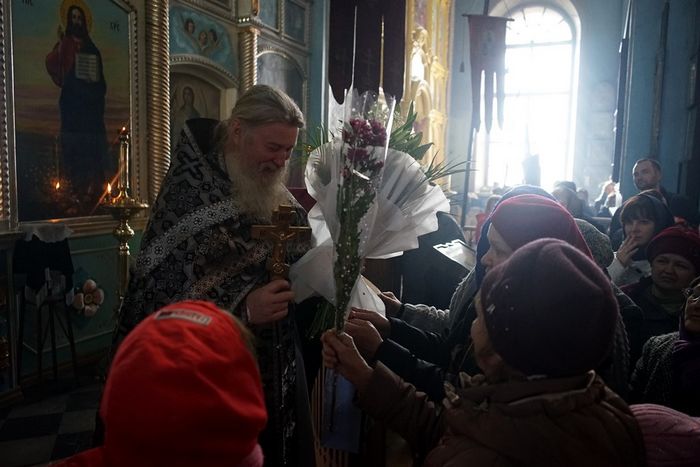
(403, 137)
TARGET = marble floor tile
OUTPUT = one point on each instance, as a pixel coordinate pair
(30, 427)
(20, 452)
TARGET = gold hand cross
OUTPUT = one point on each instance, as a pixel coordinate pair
(279, 233)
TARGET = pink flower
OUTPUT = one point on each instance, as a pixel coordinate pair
(78, 301)
(356, 131)
(90, 310)
(89, 298)
(357, 155)
(378, 137)
(361, 132)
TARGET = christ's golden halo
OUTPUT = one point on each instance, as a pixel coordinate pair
(67, 4)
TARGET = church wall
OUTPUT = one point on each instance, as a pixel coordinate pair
(94, 257)
(217, 68)
(460, 106)
(317, 112)
(124, 33)
(681, 46)
(204, 63)
(601, 31)
(599, 36)
(428, 32)
(674, 129)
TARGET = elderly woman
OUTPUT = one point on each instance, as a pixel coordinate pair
(669, 371)
(545, 317)
(674, 255)
(426, 359)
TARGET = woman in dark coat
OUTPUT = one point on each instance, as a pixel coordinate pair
(674, 255)
(428, 359)
(669, 371)
(545, 317)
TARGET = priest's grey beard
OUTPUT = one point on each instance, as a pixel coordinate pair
(257, 193)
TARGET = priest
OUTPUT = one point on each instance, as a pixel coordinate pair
(199, 244)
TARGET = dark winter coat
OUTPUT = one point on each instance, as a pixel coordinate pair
(572, 421)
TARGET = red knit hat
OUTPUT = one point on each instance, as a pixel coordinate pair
(183, 390)
(678, 240)
(524, 218)
(549, 310)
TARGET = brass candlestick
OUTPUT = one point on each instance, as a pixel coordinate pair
(123, 207)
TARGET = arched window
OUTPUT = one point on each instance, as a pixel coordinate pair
(540, 101)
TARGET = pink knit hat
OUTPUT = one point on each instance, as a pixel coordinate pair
(524, 218)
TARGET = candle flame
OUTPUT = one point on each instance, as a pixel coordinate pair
(109, 188)
(57, 185)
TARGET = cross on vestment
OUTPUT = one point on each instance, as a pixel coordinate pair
(279, 232)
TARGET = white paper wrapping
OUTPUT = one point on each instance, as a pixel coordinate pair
(405, 208)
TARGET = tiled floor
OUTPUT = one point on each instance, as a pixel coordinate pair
(51, 428)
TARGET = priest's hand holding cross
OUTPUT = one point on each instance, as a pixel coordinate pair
(270, 302)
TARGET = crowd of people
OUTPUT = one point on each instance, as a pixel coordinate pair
(555, 349)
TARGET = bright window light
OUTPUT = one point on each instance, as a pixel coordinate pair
(538, 116)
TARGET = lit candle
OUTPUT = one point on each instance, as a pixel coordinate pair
(57, 185)
(109, 189)
(55, 159)
(123, 181)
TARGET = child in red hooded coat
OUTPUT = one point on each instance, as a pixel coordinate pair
(184, 389)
